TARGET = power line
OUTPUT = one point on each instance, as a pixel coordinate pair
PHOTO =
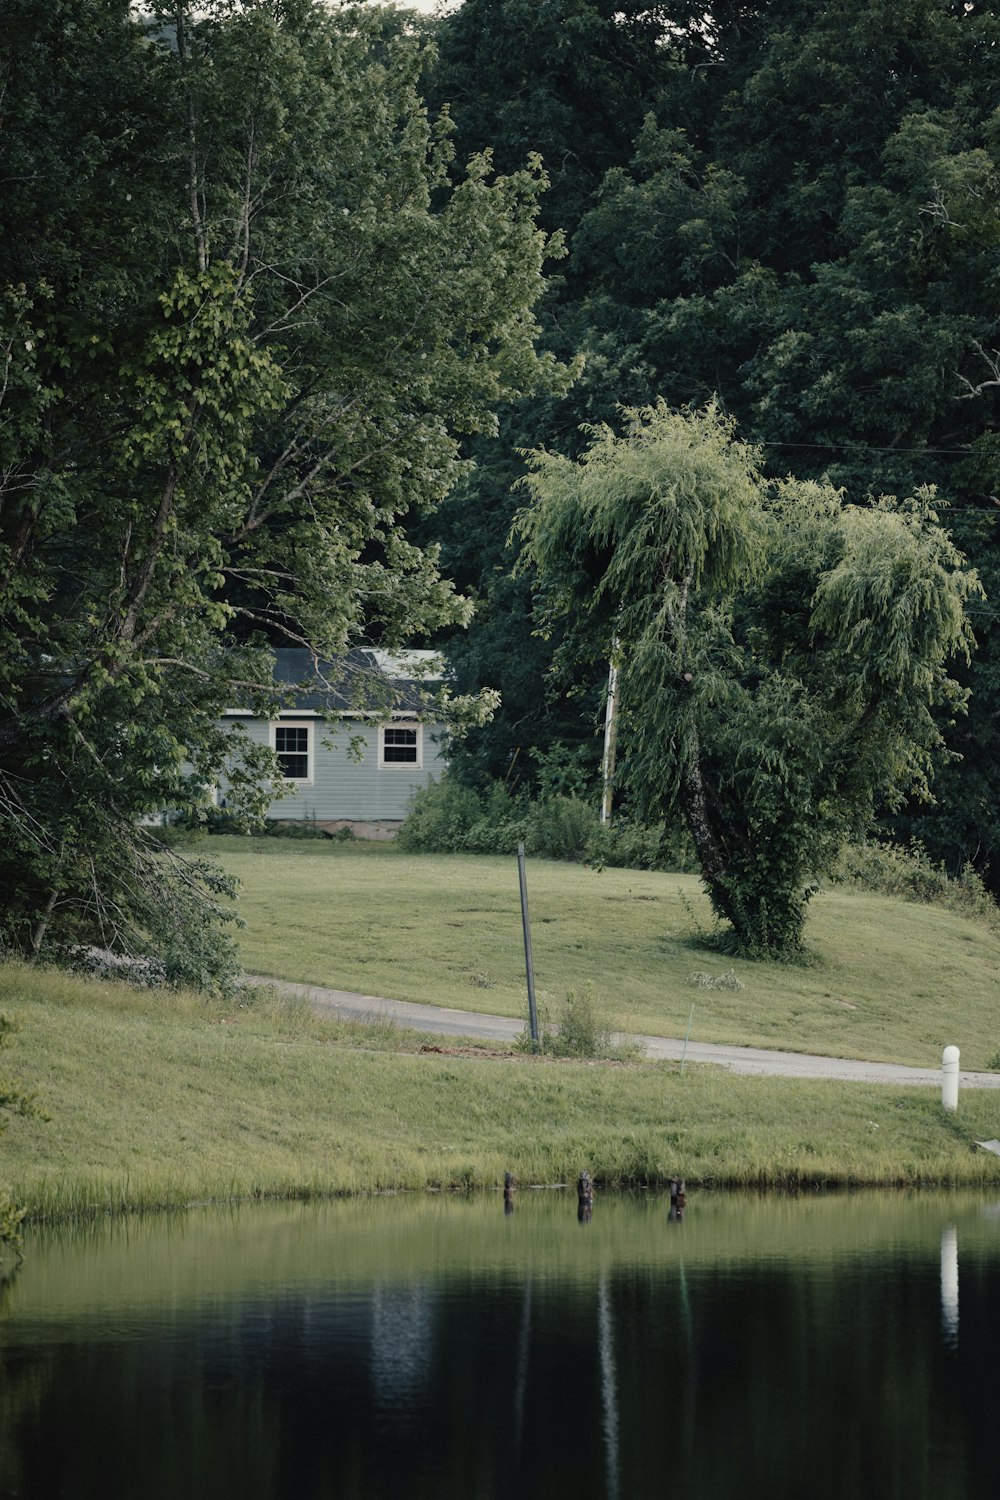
(860, 447)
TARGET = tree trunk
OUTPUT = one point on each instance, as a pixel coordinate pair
(41, 926)
(711, 855)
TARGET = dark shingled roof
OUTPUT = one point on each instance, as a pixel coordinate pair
(365, 679)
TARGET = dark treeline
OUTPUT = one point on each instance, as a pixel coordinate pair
(792, 206)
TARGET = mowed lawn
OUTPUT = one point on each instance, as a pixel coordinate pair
(162, 1100)
(884, 979)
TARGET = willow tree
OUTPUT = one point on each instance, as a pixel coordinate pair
(781, 654)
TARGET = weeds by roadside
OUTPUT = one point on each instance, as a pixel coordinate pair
(581, 1029)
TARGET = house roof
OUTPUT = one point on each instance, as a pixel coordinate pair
(366, 679)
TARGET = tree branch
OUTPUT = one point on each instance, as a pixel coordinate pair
(992, 361)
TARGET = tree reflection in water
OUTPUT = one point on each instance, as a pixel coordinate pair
(410, 1350)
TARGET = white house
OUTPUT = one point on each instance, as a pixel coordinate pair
(353, 772)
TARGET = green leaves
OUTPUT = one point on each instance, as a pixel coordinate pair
(791, 207)
(643, 520)
(896, 599)
(780, 653)
(246, 320)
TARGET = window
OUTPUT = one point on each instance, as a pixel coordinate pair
(399, 747)
(291, 745)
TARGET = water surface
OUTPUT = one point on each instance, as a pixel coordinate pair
(433, 1346)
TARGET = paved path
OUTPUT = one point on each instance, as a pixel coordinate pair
(474, 1025)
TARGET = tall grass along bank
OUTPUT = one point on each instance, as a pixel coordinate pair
(164, 1100)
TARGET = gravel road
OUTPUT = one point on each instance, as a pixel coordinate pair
(473, 1025)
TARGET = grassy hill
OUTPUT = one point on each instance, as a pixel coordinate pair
(162, 1099)
(884, 979)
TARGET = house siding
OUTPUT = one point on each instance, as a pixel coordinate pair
(341, 788)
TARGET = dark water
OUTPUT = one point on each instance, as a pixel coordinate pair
(433, 1347)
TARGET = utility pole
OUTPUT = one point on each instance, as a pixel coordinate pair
(610, 736)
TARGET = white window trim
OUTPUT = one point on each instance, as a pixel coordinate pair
(401, 765)
(309, 725)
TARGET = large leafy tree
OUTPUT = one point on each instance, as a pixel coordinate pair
(808, 230)
(247, 319)
(780, 653)
(804, 226)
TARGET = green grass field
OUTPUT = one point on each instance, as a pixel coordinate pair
(885, 979)
(166, 1100)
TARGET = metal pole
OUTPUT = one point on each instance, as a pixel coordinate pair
(687, 1038)
(528, 966)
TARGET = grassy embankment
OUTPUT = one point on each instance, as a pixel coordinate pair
(163, 1100)
(886, 980)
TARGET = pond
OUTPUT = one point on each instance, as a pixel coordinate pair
(432, 1346)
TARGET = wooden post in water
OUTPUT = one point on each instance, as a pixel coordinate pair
(528, 965)
(508, 1192)
(585, 1197)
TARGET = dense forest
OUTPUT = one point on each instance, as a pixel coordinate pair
(791, 207)
(304, 306)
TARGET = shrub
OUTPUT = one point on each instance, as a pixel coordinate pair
(292, 828)
(634, 846)
(910, 873)
(449, 818)
(582, 1029)
(440, 817)
(221, 820)
(496, 836)
(565, 771)
(502, 823)
(207, 819)
(102, 963)
(561, 828)
(168, 921)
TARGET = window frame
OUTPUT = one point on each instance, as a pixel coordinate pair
(417, 763)
(310, 752)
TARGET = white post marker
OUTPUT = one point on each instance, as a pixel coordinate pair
(949, 1078)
